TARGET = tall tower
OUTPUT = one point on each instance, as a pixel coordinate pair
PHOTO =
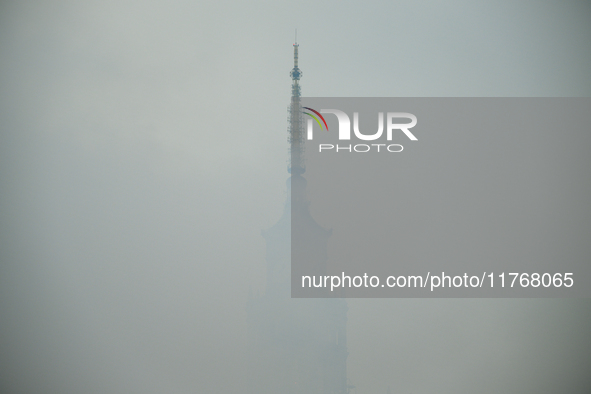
(295, 345)
(295, 131)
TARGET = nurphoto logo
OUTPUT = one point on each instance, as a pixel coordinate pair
(344, 133)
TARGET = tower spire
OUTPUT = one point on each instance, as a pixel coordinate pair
(296, 134)
(295, 73)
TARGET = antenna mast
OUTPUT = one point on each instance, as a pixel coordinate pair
(295, 130)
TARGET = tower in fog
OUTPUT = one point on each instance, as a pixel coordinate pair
(295, 345)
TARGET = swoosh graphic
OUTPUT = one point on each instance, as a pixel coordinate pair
(315, 118)
(321, 117)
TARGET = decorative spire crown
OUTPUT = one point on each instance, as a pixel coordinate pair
(295, 73)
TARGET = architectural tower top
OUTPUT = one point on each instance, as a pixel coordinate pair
(295, 131)
(295, 73)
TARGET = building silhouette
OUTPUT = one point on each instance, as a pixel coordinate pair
(295, 345)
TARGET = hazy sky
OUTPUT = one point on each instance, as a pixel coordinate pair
(143, 149)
